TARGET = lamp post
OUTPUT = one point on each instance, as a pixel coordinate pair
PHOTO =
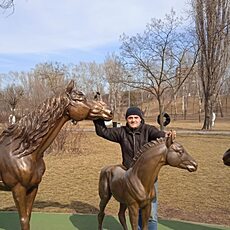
(129, 97)
(129, 93)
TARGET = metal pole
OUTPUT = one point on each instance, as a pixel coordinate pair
(129, 77)
(129, 96)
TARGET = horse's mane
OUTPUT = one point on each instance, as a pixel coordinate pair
(26, 134)
(147, 146)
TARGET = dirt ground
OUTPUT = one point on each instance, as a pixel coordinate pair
(70, 183)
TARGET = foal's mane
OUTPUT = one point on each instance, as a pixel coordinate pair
(147, 146)
(26, 134)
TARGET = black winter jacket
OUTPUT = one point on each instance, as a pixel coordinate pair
(130, 140)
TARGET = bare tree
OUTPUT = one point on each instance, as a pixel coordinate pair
(89, 77)
(113, 72)
(11, 96)
(45, 80)
(154, 59)
(6, 4)
(225, 91)
(52, 76)
(212, 27)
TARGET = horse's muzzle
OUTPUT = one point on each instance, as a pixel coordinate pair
(192, 167)
(108, 115)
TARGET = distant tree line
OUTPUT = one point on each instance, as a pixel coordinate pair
(170, 62)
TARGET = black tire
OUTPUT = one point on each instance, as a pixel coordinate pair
(166, 121)
(226, 157)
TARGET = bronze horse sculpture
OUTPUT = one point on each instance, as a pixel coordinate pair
(22, 144)
(134, 188)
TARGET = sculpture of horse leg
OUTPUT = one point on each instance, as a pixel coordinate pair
(30, 197)
(104, 201)
(104, 194)
(19, 195)
(145, 213)
(133, 215)
(121, 216)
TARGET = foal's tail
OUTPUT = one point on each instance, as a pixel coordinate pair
(104, 183)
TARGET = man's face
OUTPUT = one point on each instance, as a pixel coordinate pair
(133, 121)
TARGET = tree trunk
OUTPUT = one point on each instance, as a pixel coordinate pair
(175, 107)
(220, 107)
(207, 114)
(161, 110)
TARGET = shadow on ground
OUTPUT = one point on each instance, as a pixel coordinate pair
(51, 221)
(77, 206)
(89, 222)
(9, 221)
(58, 221)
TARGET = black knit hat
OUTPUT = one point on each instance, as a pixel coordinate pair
(134, 111)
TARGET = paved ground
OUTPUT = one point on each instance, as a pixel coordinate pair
(201, 132)
(57, 221)
(179, 131)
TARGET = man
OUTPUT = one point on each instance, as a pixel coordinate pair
(131, 138)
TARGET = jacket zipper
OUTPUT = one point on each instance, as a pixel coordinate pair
(134, 144)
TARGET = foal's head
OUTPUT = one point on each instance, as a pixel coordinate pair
(178, 157)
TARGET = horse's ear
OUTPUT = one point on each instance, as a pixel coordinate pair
(169, 140)
(171, 135)
(97, 96)
(70, 87)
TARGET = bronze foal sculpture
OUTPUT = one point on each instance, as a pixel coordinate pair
(134, 188)
(22, 144)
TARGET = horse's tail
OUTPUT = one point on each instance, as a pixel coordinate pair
(104, 183)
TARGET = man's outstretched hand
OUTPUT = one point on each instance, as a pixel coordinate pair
(171, 133)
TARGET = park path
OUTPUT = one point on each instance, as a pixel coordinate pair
(203, 132)
(179, 131)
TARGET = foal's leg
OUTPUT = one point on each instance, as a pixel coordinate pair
(121, 216)
(105, 195)
(31, 194)
(133, 215)
(145, 214)
(19, 195)
(104, 201)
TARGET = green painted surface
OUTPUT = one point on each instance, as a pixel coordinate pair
(56, 221)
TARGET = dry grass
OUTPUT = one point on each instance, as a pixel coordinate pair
(70, 182)
(201, 196)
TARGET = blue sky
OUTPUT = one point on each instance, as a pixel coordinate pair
(71, 31)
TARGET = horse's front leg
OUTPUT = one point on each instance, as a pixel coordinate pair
(19, 195)
(145, 214)
(133, 215)
(30, 197)
(121, 215)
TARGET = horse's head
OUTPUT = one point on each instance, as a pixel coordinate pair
(79, 108)
(99, 109)
(178, 157)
